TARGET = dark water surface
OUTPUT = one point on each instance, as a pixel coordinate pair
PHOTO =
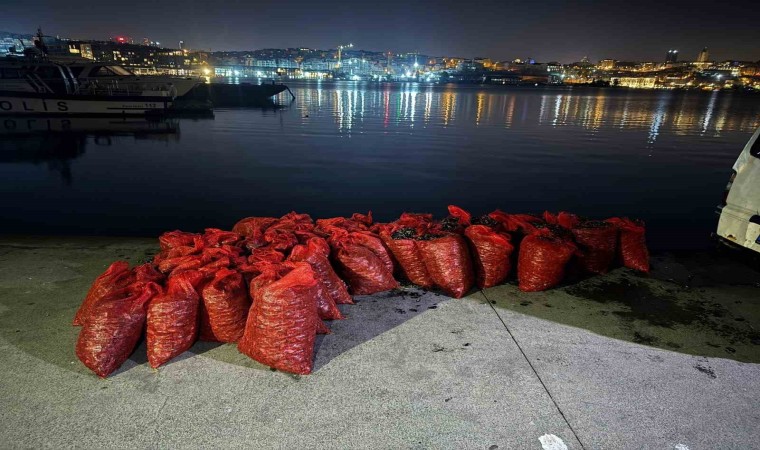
(344, 147)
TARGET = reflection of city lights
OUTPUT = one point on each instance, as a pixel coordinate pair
(409, 74)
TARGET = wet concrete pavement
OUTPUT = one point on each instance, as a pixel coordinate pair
(620, 361)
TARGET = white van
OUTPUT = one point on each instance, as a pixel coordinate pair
(740, 212)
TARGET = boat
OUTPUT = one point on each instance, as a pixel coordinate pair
(39, 83)
(33, 86)
(242, 94)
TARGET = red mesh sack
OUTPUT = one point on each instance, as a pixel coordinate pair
(304, 236)
(147, 272)
(633, 244)
(365, 219)
(282, 323)
(414, 219)
(180, 264)
(253, 228)
(457, 221)
(491, 251)
(326, 302)
(181, 250)
(375, 244)
(294, 217)
(225, 307)
(522, 223)
(280, 239)
(542, 260)
(111, 332)
(596, 244)
(319, 245)
(173, 318)
(266, 254)
(364, 271)
(176, 238)
(116, 277)
(325, 226)
(322, 267)
(447, 260)
(563, 219)
(214, 237)
(407, 253)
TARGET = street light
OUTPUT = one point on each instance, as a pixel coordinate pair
(340, 52)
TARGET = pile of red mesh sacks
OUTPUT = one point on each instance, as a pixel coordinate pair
(269, 284)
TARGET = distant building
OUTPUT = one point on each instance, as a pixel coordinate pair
(634, 82)
(607, 64)
(672, 56)
(703, 56)
(181, 45)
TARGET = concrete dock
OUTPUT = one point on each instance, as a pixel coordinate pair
(669, 360)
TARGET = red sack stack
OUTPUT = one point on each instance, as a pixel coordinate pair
(404, 245)
(252, 229)
(633, 245)
(334, 287)
(176, 238)
(116, 277)
(447, 260)
(173, 318)
(148, 272)
(365, 271)
(327, 308)
(542, 260)
(458, 220)
(225, 307)
(492, 251)
(112, 330)
(402, 237)
(523, 224)
(596, 244)
(282, 323)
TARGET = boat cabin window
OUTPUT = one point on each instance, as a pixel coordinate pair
(110, 71)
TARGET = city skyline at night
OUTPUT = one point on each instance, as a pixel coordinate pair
(551, 31)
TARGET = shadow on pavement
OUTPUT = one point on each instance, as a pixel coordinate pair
(42, 284)
(705, 304)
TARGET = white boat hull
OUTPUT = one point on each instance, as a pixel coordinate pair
(81, 105)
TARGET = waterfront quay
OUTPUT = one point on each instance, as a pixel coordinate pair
(667, 360)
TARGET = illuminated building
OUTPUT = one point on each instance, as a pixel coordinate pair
(672, 56)
(703, 56)
(607, 64)
(181, 45)
(634, 82)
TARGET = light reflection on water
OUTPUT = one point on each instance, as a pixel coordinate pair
(681, 113)
(346, 146)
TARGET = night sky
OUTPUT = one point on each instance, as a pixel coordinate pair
(545, 30)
